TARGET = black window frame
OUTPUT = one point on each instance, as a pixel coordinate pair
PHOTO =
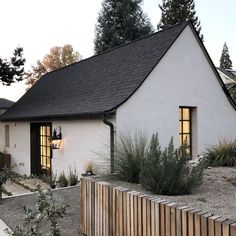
(182, 133)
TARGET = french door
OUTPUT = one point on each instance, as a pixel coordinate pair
(41, 153)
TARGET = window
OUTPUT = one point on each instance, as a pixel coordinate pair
(185, 129)
(45, 149)
(7, 136)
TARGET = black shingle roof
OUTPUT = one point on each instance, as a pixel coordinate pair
(227, 72)
(5, 103)
(97, 84)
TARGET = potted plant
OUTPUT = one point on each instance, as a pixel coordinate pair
(89, 169)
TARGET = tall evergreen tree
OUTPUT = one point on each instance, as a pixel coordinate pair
(225, 61)
(12, 70)
(177, 11)
(120, 22)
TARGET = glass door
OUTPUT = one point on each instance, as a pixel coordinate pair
(45, 150)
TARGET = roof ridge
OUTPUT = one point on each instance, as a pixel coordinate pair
(120, 46)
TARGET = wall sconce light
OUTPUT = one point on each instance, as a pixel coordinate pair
(56, 138)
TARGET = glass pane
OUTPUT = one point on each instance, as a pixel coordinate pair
(187, 139)
(43, 151)
(180, 113)
(180, 127)
(48, 130)
(48, 151)
(44, 141)
(186, 114)
(48, 141)
(48, 162)
(180, 140)
(186, 127)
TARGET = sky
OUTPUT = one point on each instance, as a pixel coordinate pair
(38, 25)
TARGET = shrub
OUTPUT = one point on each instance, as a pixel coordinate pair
(63, 181)
(165, 173)
(43, 220)
(129, 155)
(73, 176)
(222, 154)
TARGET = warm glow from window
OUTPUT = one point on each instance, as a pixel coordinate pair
(185, 129)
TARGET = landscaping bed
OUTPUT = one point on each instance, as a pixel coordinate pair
(216, 195)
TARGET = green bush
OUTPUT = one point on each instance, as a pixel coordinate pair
(129, 155)
(63, 181)
(165, 173)
(222, 154)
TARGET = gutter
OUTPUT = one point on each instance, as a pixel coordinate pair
(112, 145)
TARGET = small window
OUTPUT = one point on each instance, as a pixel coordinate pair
(7, 136)
(185, 129)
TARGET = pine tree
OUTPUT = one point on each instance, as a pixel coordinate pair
(12, 70)
(120, 22)
(225, 61)
(177, 11)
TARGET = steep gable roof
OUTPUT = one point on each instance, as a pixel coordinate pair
(97, 84)
(5, 103)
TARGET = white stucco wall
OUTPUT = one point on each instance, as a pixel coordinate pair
(19, 137)
(83, 141)
(182, 78)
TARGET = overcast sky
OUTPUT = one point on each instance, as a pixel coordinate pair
(38, 25)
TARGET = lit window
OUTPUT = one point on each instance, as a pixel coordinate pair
(185, 136)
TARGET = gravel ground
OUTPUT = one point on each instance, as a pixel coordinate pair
(11, 210)
(216, 195)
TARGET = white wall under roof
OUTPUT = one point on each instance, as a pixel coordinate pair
(83, 141)
(182, 78)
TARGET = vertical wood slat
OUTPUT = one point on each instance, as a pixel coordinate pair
(167, 220)
(218, 226)
(96, 209)
(81, 206)
(173, 218)
(185, 221)
(204, 224)
(211, 225)
(162, 218)
(148, 202)
(191, 222)
(226, 227)
(104, 207)
(197, 223)
(233, 229)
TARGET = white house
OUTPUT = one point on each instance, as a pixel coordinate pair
(164, 83)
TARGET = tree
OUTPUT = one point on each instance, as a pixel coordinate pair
(178, 11)
(225, 61)
(120, 22)
(12, 70)
(57, 58)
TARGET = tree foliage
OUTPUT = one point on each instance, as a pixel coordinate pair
(120, 22)
(225, 61)
(177, 11)
(57, 58)
(12, 70)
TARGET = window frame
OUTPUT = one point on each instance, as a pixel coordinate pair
(182, 133)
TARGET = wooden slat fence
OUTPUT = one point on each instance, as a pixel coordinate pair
(106, 210)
